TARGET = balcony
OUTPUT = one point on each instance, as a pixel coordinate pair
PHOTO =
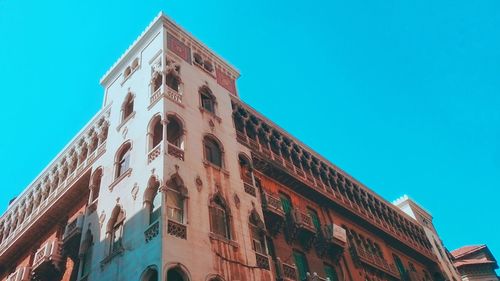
(374, 261)
(262, 261)
(285, 271)
(72, 235)
(176, 152)
(301, 227)
(176, 229)
(47, 261)
(167, 92)
(152, 231)
(21, 274)
(332, 242)
(154, 153)
(65, 176)
(274, 215)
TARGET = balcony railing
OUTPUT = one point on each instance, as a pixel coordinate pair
(60, 175)
(303, 221)
(334, 234)
(152, 231)
(286, 271)
(176, 152)
(74, 228)
(21, 274)
(274, 214)
(315, 277)
(374, 261)
(154, 153)
(167, 92)
(47, 261)
(262, 261)
(177, 229)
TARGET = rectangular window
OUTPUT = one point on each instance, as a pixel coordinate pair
(218, 222)
(301, 263)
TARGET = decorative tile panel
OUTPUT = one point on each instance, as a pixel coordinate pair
(226, 81)
(178, 48)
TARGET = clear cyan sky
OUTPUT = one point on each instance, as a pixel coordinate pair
(403, 95)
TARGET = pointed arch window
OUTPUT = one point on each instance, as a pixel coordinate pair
(213, 151)
(150, 274)
(155, 132)
(207, 99)
(128, 107)
(115, 230)
(175, 132)
(219, 218)
(176, 195)
(245, 169)
(152, 200)
(257, 233)
(123, 160)
(176, 274)
(95, 185)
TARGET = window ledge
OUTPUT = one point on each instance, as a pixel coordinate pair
(124, 121)
(210, 114)
(215, 167)
(223, 239)
(118, 179)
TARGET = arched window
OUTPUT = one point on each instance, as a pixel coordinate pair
(176, 194)
(257, 231)
(115, 230)
(213, 152)
(172, 81)
(156, 81)
(176, 274)
(219, 217)
(95, 185)
(128, 106)
(245, 169)
(175, 132)
(155, 132)
(207, 99)
(150, 274)
(123, 160)
(152, 201)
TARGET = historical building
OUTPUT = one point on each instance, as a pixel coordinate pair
(475, 263)
(424, 218)
(176, 178)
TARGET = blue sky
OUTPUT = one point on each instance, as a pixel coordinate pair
(403, 95)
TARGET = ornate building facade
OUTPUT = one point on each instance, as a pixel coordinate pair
(475, 263)
(176, 178)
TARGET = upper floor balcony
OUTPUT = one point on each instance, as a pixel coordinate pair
(37, 204)
(331, 241)
(374, 261)
(47, 261)
(280, 156)
(72, 236)
(301, 227)
(274, 214)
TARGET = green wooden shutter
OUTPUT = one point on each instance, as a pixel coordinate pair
(301, 263)
(315, 219)
(330, 273)
(286, 203)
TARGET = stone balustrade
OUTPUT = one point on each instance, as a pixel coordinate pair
(55, 179)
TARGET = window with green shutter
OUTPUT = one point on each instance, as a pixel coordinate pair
(301, 263)
(331, 273)
(286, 203)
(315, 219)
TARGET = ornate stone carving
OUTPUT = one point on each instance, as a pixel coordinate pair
(199, 183)
(135, 190)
